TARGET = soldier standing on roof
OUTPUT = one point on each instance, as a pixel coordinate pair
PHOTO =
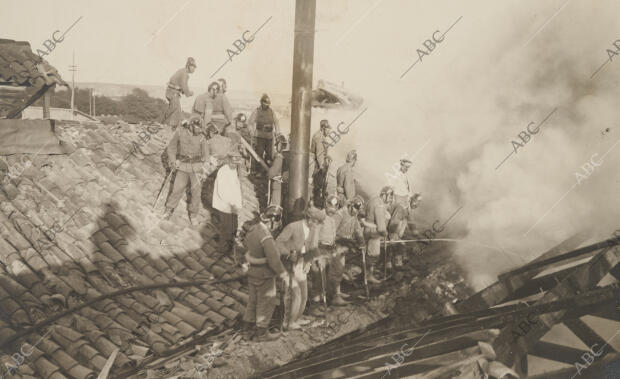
(188, 149)
(177, 86)
(278, 172)
(265, 265)
(222, 111)
(375, 228)
(265, 124)
(203, 104)
(319, 147)
(402, 189)
(345, 179)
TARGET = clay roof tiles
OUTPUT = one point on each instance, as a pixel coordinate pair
(103, 247)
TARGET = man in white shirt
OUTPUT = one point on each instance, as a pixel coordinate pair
(400, 184)
(227, 200)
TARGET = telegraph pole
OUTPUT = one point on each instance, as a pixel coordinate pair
(73, 68)
(94, 103)
(301, 107)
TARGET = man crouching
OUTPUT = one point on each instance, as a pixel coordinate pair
(265, 265)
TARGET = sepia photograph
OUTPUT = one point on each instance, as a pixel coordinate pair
(309, 189)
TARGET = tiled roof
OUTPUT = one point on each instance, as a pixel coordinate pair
(106, 239)
(20, 67)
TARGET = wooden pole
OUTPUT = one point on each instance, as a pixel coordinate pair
(303, 60)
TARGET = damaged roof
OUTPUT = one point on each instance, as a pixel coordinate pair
(24, 77)
(74, 227)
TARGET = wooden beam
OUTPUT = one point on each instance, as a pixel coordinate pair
(46, 101)
(555, 352)
(564, 258)
(500, 290)
(524, 333)
(604, 368)
(585, 333)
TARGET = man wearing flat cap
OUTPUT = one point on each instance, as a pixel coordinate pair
(227, 200)
(400, 183)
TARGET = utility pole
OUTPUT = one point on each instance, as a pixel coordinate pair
(73, 69)
(90, 101)
(94, 103)
(301, 107)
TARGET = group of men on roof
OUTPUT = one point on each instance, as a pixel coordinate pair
(309, 253)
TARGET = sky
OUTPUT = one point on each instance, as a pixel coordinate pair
(501, 66)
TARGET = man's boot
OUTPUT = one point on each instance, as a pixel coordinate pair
(193, 220)
(399, 261)
(371, 277)
(248, 330)
(263, 334)
(339, 301)
(341, 294)
(168, 213)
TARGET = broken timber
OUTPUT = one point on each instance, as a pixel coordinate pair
(449, 344)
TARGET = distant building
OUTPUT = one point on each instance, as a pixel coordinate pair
(56, 114)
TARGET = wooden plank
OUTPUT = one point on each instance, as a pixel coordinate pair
(611, 313)
(498, 291)
(603, 368)
(578, 253)
(105, 371)
(555, 352)
(616, 272)
(584, 332)
(353, 364)
(46, 102)
(524, 333)
(542, 284)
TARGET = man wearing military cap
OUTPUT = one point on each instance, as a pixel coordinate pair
(278, 171)
(345, 178)
(375, 227)
(319, 149)
(222, 111)
(203, 104)
(265, 124)
(188, 150)
(400, 183)
(177, 86)
(264, 262)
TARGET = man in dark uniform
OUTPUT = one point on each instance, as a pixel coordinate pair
(278, 172)
(188, 149)
(375, 228)
(176, 87)
(319, 147)
(265, 124)
(222, 111)
(263, 258)
(345, 179)
(203, 104)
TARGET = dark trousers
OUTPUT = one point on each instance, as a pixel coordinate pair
(228, 227)
(180, 186)
(172, 116)
(262, 301)
(264, 149)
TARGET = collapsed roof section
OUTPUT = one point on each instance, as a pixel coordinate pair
(24, 77)
(330, 95)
